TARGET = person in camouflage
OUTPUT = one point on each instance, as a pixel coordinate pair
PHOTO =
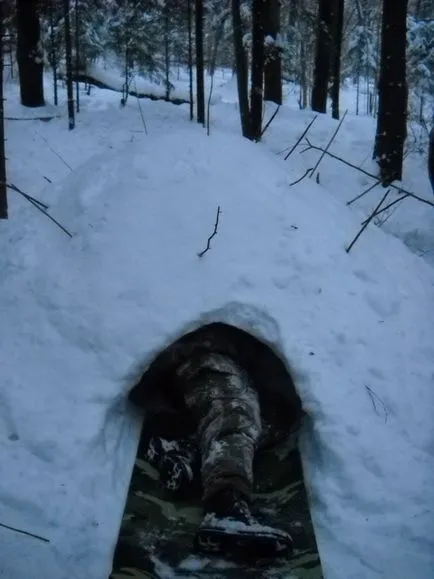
(213, 399)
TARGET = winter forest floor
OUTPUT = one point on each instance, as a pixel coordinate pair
(138, 189)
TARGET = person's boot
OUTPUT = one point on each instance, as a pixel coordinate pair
(177, 462)
(229, 526)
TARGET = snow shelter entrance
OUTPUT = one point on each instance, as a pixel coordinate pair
(158, 527)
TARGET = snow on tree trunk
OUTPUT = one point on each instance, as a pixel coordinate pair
(338, 22)
(3, 195)
(241, 69)
(200, 86)
(68, 59)
(392, 104)
(29, 54)
(322, 56)
(258, 59)
(273, 60)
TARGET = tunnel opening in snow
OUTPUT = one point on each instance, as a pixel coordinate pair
(157, 391)
(162, 523)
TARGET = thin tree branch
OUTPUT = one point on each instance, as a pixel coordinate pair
(388, 206)
(300, 138)
(55, 152)
(25, 533)
(270, 121)
(365, 192)
(374, 399)
(40, 207)
(26, 195)
(213, 234)
(301, 178)
(397, 187)
(366, 223)
(140, 110)
(329, 143)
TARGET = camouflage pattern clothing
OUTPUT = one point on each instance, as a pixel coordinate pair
(229, 391)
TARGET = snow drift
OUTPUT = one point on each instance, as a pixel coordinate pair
(81, 318)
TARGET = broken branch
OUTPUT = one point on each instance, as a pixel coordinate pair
(365, 192)
(397, 187)
(329, 143)
(301, 178)
(40, 207)
(388, 206)
(213, 234)
(300, 138)
(366, 223)
(25, 533)
(270, 121)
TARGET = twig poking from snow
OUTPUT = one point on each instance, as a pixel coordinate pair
(366, 223)
(300, 138)
(388, 206)
(26, 195)
(47, 179)
(363, 193)
(301, 178)
(140, 109)
(40, 207)
(25, 533)
(270, 121)
(397, 187)
(329, 143)
(55, 152)
(375, 399)
(213, 234)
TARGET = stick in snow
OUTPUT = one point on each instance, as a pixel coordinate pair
(213, 234)
(329, 143)
(270, 121)
(363, 193)
(374, 399)
(300, 138)
(25, 533)
(367, 222)
(301, 178)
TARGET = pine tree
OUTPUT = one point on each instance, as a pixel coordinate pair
(29, 53)
(392, 110)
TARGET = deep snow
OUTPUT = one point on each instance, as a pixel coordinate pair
(80, 318)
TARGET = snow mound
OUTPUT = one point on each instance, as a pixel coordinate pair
(81, 318)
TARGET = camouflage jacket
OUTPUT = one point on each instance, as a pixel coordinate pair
(158, 391)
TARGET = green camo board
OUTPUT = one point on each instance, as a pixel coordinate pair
(156, 536)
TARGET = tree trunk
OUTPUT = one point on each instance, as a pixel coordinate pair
(53, 56)
(273, 60)
(258, 59)
(29, 55)
(294, 12)
(200, 83)
(3, 194)
(241, 69)
(322, 56)
(167, 51)
(392, 104)
(68, 60)
(338, 23)
(77, 56)
(190, 57)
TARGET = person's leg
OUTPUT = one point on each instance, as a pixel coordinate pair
(226, 407)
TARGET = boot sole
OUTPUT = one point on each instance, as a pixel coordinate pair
(214, 541)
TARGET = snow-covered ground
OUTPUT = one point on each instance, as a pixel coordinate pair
(81, 317)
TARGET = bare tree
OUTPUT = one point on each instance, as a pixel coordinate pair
(200, 82)
(392, 104)
(322, 56)
(273, 58)
(53, 55)
(190, 55)
(77, 56)
(3, 194)
(29, 54)
(68, 60)
(241, 70)
(258, 60)
(337, 29)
